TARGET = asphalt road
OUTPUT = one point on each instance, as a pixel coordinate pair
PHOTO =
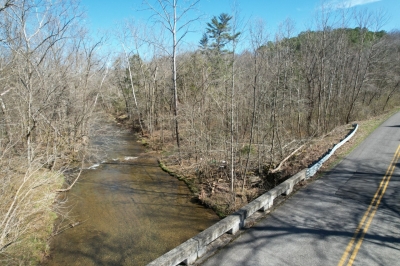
(350, 216)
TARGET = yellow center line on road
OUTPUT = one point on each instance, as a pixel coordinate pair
(362, 227)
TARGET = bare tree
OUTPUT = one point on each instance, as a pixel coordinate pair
(258, 39)
(234, 114)
(47, 99)
(173, 18)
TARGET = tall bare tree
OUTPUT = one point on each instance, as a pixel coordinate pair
(50, 69)
(172, 15)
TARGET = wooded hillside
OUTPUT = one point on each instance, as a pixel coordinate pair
(242, 113)
(229, 110)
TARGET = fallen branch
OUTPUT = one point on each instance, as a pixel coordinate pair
(73, 183)
(284, 160)
(71, 225)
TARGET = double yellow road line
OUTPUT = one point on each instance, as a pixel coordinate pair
(354, 245)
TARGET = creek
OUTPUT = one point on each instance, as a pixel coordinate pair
(129, 211)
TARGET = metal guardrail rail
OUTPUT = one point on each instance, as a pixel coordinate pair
(194, 248)
(311, 171)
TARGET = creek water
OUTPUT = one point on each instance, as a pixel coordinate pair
(129, 211)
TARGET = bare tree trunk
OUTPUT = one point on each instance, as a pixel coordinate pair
(133, 92)
(175, 87)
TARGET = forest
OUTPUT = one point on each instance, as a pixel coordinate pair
(230, 109)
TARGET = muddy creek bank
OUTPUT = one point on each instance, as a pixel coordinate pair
(129, 211)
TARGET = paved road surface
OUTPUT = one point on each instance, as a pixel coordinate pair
(351, 216)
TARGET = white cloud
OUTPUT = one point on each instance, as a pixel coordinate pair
(352, 3)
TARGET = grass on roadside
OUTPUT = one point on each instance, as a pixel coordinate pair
(365, 128)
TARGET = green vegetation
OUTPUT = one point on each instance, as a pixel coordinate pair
(274, 96)
(225, 120)
(29, 224)
(219, 31)
(50, 81)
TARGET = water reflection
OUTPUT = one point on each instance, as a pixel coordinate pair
(130, 211)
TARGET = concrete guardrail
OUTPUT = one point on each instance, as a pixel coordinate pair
(194, 248)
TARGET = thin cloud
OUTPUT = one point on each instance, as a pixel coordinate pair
(352, 3)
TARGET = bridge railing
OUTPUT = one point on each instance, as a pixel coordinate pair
(194, 248)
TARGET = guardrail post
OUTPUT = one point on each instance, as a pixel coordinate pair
(234, 229)
(196, 247)
(289, 189)
(191, 259)
(269, 204)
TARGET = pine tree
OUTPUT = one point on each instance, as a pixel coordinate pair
(219, 31)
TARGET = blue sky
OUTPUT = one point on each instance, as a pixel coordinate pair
(106, 15)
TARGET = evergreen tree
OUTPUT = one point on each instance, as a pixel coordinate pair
(218, 30)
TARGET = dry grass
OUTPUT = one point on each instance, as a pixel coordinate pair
(26, 214)
(214, 190)
(366, 127)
